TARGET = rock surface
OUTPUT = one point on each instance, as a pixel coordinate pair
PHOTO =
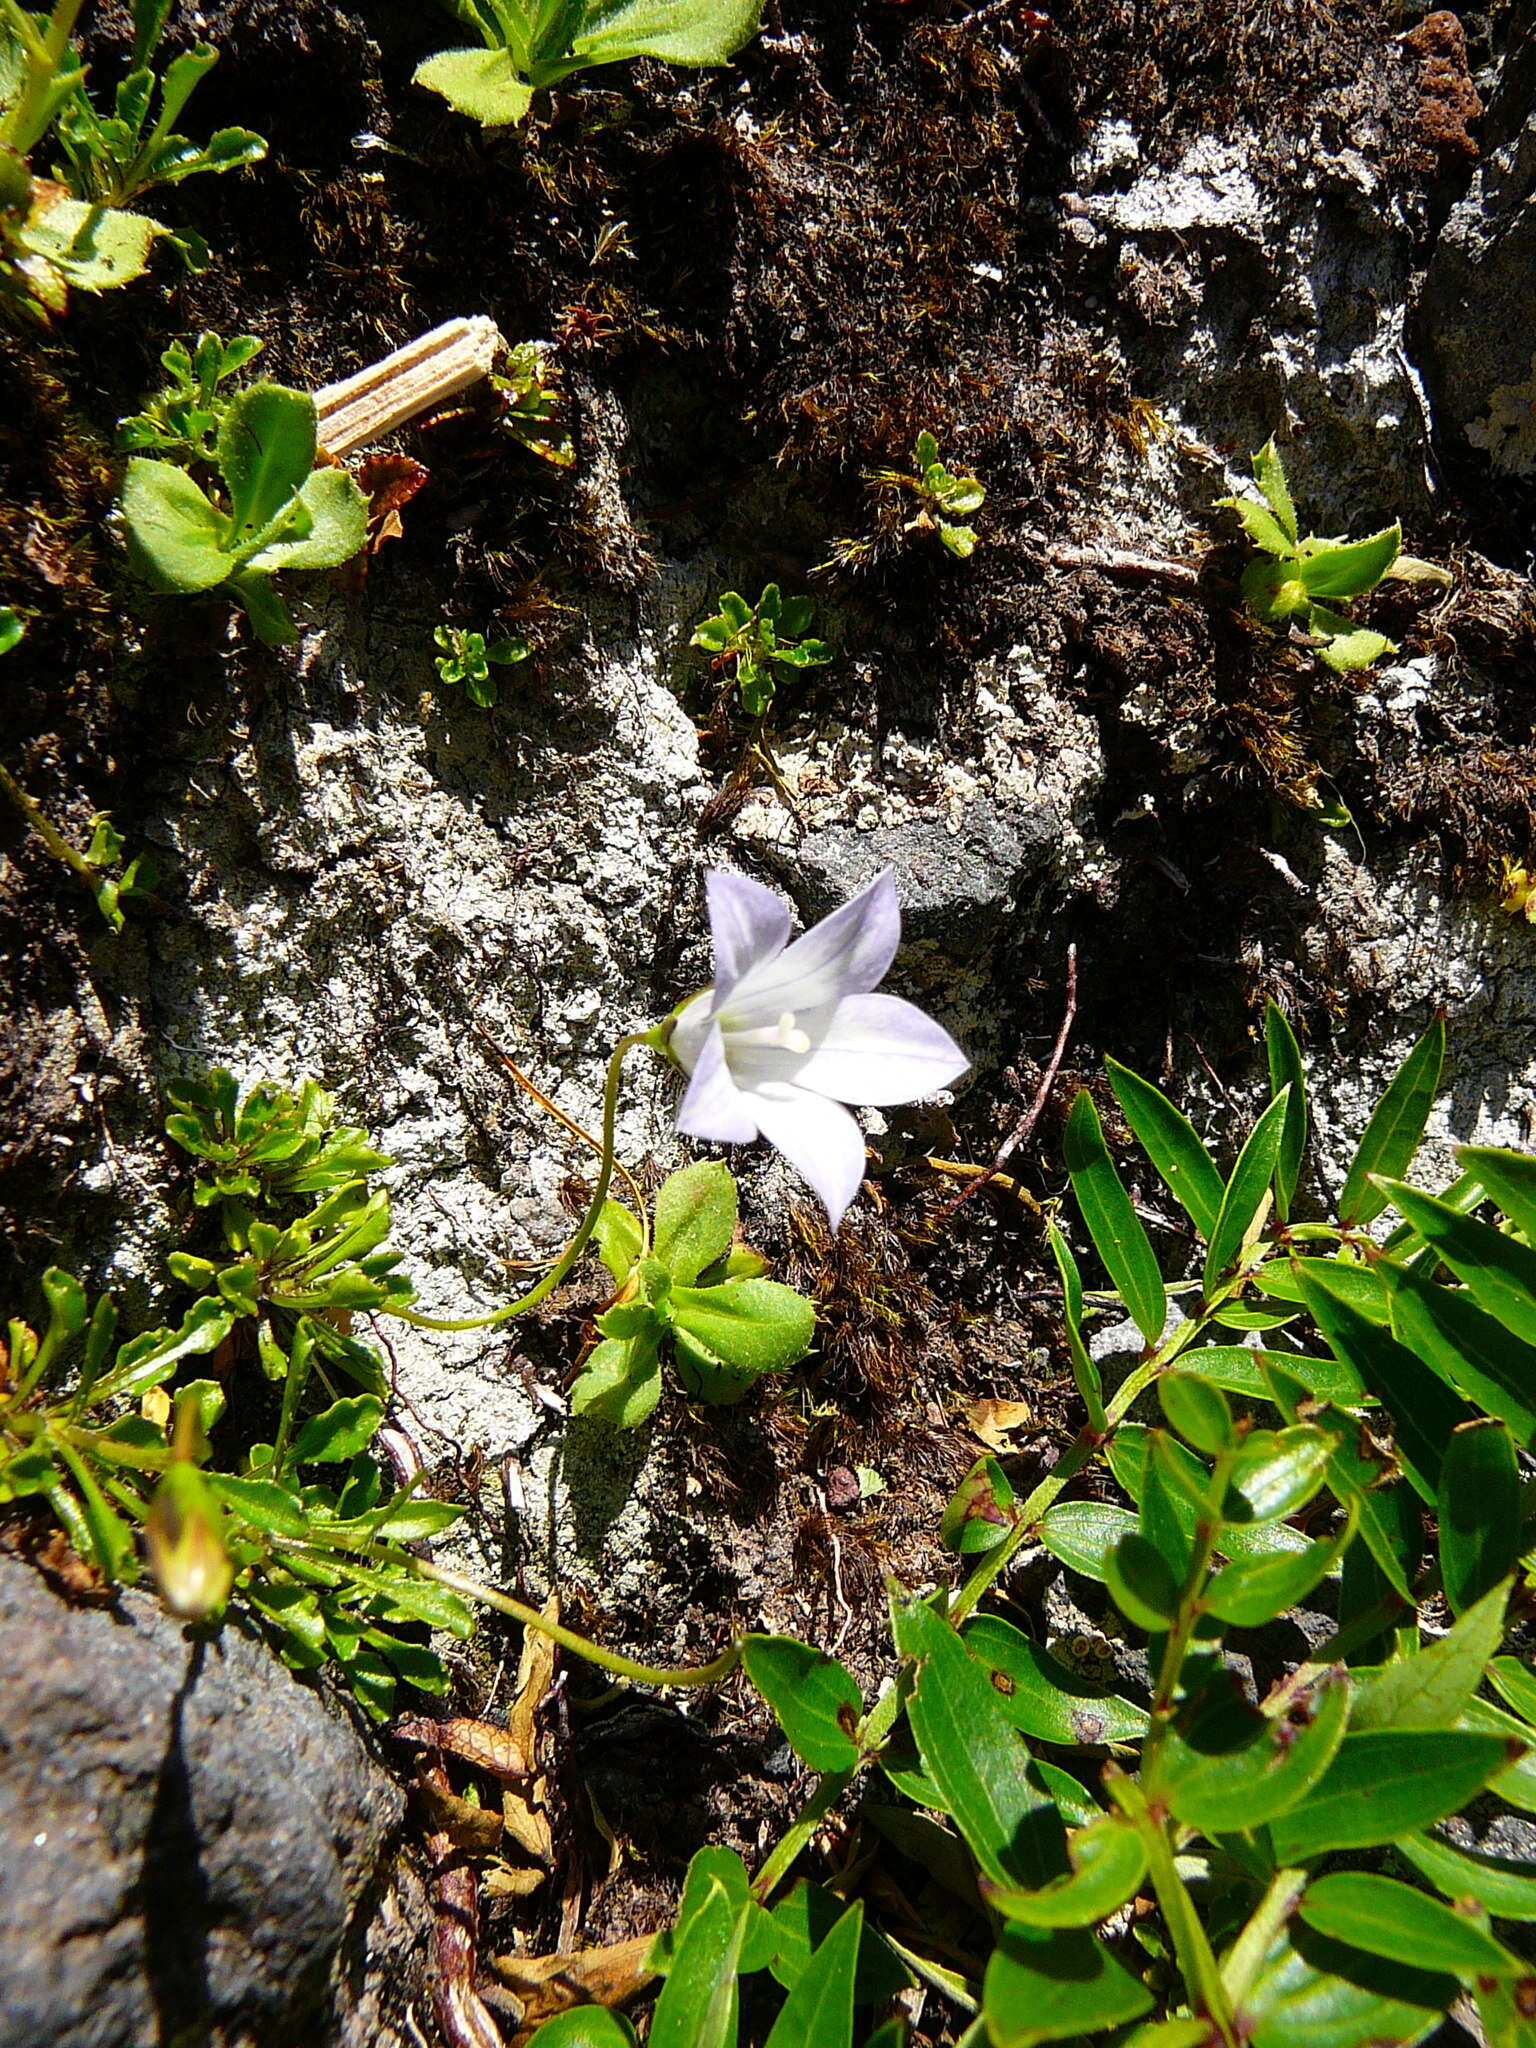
(191, 1842)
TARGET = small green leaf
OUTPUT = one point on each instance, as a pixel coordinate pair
(1395, 1127)
(483, 84)
(697, 2006)
(1142, 1583)
(339, 1432)
(621, 1381)
(262, 1504)
(177, 537)
(266, 450)
(1054, 1985)
(585, 2026)
(806, 1915)
(1269, 475)
(1431, 1688)
(1386, 1783)
(618, 1240)
(1082, 1533)
(727, 1337)
(1109, 1861)
(1504, 1888)
(1497, 1270)
(818, 2012)
(1041, 1697)
(1352, 569)
(1479, 1512)
(1197, 1410)
(333, 515)
(813, 1696)
(1090, 1386)
(1250, 1592)
(1244, 1196)
(1112, 1223)
(695, 1219)
(1510, 1177)
(1277, 1472)
(1394, 1920)
(1251, 1769)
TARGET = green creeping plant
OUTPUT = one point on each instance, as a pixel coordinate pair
(758, 636)
(265, 506)
(531, 44)
(1299, 580)
(685, 1285)
(467, 658)
(943, 497)
(79, 231)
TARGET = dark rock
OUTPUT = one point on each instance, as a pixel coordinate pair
(188, 1836)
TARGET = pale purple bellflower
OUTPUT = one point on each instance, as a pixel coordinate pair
(789, 1033)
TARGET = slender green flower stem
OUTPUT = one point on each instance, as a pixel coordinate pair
(49, 834)
(1246, 1956)
(578, 1244)
(829, 1789)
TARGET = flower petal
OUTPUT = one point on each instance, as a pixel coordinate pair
(880, 1050)
(748, 925)
(846, 954)
(818, 1138)
(714, 1107)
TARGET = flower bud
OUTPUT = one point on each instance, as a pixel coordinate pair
(184, 1532)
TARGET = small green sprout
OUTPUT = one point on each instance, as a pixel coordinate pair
(1290, 578)
(687, 1286)
(266, 508)
(79, 231)
(944, 498)
(529, 401)
(757, 636)
(531, 44)
(182, 419)
(467, 657)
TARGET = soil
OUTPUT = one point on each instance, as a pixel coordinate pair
(863, 229)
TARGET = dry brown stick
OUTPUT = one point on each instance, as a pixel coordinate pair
(1123, 562)
(1031, 1116)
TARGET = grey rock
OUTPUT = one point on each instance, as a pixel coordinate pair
(191, 1841)
(1472, 322)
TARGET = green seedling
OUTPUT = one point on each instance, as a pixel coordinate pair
(105, 848)
(76, 230)
(1299, 580)
(944, 499)
(756, 637)
(467, 658)
(525, 387)
(266, 508)
(531, 44)
(181, 420)
(686, 1286)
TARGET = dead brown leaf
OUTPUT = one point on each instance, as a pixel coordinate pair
(524, 1806)
(547, 1985)
(994, 1422)
(481, 1743)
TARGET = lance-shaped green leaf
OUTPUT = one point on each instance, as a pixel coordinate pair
(1251, 1591)
(1356, 1471)
(696, 32)
(1352, 569)
(1042, 1697)
(1500, 1885)
(1385, 1783)
(1395, 1127)
(1090, 1385)
(1510, 1177)
(1498, 1271)
(1423, 1408)
(1389, 1919)
(806, 1915)
(262, 1504)
(819, 2010)
(1515, 1684)
(698, 2003)
(1269, 475)
(1226, 1772)
(816, 1701)
(1311, 1992)
(1286, 1071)
(1433, 1686)
(1109, 1861)
(1112, 1223)
(1169, 1140)
(695, 1219)
(1478, 1512)
(975, 1757)
(1470, 1350)
(1239, 1369)
(1245, 1194)
(1054, 1985)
